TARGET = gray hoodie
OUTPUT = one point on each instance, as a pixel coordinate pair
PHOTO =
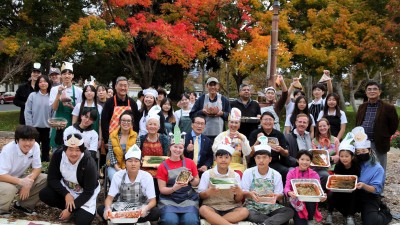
(37, 110)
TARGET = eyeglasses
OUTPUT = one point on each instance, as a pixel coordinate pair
(267, 119)
(126, 121)
(372, 89)
(199, 123)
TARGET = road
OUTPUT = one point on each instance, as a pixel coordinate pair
(8, 107)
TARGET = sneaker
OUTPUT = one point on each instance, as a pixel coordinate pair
(145, 223)
(328, 219)
(27, 211)
(4, 214)
(311, 222)
(350, 221)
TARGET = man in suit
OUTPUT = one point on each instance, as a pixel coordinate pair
(198, 146)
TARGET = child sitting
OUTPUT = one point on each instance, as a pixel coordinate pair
(221, 206)
(305, 210)
(262, 180)
(344, 202)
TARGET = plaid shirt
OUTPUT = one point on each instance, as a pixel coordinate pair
(369, 120)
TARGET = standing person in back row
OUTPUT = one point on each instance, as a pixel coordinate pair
(24, 90)
(214, 107)
(63, 98)
(379, 119)
(318, 91)
(248, 107)
(115, 106)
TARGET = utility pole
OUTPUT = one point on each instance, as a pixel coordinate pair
(274, 45)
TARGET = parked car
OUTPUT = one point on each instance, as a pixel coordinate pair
(7, 97)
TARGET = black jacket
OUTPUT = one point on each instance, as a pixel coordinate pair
(22, 94)
(86, 174)
(108, 111)
(206, 153)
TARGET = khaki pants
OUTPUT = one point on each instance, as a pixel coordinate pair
(8, 192)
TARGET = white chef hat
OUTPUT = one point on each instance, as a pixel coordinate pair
(133, 152)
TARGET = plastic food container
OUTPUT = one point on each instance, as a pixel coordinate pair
(125, 216)
(349, 178)
(249, 119)
(273, 141)
(223, 183)
(57, 122)
(311, 182)
(183, 173)
(267, 199)
(320, 158)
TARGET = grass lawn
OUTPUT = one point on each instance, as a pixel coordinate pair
(9, 120)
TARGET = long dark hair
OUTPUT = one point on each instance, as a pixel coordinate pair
(354, 162)
(46, 78)
(171, 117)
(92, 88)
(297, 111)
(326, 107)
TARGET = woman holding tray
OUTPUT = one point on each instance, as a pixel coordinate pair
(304, 211)
(179, 202)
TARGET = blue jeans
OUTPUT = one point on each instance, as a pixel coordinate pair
(179, 218)
(110, 172)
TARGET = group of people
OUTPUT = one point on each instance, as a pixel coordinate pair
(210, 137)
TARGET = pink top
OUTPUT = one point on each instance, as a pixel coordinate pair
(297, 174)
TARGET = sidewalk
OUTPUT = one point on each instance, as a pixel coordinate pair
(4, 221)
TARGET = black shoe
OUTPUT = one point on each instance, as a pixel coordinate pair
(27, 211)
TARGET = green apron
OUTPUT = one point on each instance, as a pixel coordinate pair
(64, 112)
(261, 186)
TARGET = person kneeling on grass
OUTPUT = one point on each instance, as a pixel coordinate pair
(221, 206)
(134, 187)
(72, 182)
(260, 181)
(15, 158)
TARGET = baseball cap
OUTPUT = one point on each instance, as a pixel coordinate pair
(212, 79)
(54, 70)
(36, 67)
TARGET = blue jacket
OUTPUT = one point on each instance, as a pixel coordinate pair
(206, 153)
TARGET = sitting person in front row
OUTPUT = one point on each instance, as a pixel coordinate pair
(72, 182)
(305, 211)
(345, 203)
(262, 180)
(179, 202)
(221, 206)
(15, 158)
(134, 187)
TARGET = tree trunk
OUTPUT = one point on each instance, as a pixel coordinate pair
(339, 91)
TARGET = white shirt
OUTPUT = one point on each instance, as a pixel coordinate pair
(14, 162)
(143, 177)
(289, 108)
(320, 101)
(289, 124)
(139, 104)
(205, 179)
(247, 179)
(343, 118)
(77, 107)
(78, 94)
(90, 138)
(178, 115)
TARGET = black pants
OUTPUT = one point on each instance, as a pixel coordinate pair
(345, 203)
(276, 217)
(373, 212)
(44, 141)
(154, 214)
(53, 199)
(311, 209)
